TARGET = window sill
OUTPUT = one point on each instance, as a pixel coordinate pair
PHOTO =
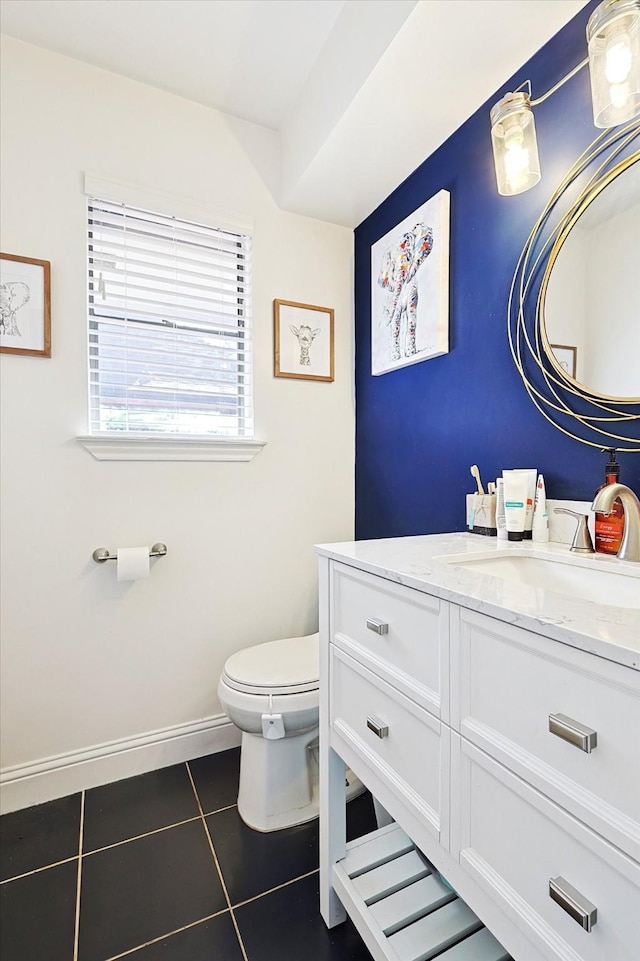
(165, 447)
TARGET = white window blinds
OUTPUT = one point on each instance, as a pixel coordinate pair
(169, 325)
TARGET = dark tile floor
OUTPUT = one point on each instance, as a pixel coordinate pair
(161, 868)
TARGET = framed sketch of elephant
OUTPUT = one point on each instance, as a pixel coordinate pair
(410, 288)
(303, 341)
(25, 305)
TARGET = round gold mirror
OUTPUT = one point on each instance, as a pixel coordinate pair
(574, 304)
(591, 308)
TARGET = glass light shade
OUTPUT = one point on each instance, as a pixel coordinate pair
(515, 149)
(613, 36)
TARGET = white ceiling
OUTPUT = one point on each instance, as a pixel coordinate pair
(349, 95)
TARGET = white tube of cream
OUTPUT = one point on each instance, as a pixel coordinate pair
(531, 474)
(515, 503)
(540, 516)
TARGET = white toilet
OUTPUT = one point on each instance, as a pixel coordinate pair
(270, 692)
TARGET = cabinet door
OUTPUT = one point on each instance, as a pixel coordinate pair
(506, 685)
(392, 736)
(513, 842)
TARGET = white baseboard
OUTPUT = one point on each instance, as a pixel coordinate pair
(63, 774)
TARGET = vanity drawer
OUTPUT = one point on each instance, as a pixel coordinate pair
(399, 633)
(506, 684)
(395, 738)
(513, 842)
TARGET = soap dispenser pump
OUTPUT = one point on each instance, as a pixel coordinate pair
(609, 528)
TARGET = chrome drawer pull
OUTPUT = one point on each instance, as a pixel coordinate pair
(379, 728)
(574, 903)
(572, 731)
(378, 627)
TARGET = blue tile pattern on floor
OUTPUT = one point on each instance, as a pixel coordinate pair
(169, 872)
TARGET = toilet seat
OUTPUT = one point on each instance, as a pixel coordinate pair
(278, 668)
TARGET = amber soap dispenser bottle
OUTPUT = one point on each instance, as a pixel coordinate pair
(610, 527)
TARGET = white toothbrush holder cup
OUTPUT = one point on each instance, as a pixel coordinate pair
(481, 514)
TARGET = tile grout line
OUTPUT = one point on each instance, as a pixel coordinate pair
(278, 887)
(27, 874)
(76, 932)
(116, 844)
(148, 834)
(87, 854)
(138, 837)
(217, 864)
(162, 937)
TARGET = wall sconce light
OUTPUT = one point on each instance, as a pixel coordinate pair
(613, 40)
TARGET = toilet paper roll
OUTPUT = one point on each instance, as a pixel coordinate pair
(132, 563)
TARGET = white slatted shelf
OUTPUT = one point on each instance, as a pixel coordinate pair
(390, 877)
(407, 905)
(374, 849)
(401, 907)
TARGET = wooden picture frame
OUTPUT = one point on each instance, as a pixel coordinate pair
(303, 338)
(566, 357)
(25, 306)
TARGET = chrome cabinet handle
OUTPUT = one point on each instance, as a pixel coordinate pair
(379, 728)
(378, 627)
(574, 903)
(573, 732)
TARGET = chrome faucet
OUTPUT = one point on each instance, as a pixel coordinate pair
(604, 501)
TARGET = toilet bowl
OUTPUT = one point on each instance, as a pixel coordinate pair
(270, 691)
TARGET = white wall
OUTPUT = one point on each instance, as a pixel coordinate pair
(592, 299)
(566, 302)
(86, 660)
(613, 330)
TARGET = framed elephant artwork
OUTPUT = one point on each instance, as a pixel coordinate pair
(410, 289)
(25, 306)
(303, 341)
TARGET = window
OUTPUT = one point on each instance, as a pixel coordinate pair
(169, 325)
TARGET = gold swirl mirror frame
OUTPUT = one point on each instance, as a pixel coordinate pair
(582, 414)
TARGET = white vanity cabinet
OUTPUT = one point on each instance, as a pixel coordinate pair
(535, 800)
(444, 713)
(506, 683)
(389, 690)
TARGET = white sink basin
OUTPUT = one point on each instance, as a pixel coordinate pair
(586, 577)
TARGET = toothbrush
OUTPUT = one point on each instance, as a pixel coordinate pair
(472, 513)
(476, 473)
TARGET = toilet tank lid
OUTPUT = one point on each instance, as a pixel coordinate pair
(288, 662)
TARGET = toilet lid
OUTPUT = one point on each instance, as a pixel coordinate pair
(287, 666)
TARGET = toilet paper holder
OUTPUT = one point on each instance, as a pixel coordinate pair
(102, 554)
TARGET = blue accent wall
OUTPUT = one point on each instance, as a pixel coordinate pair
(419, 428)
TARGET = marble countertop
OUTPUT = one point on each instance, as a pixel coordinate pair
(417, 562)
